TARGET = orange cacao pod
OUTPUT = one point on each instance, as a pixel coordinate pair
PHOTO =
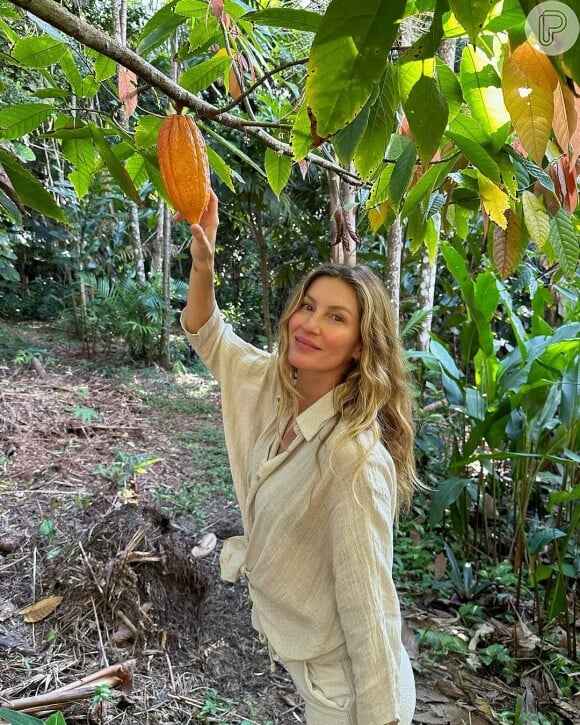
(184, 166)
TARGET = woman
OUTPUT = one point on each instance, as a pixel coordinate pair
(320, 443)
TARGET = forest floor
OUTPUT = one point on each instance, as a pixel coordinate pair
(109, 477)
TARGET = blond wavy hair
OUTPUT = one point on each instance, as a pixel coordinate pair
(375, 394)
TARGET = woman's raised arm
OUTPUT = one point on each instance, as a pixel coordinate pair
(201, 294)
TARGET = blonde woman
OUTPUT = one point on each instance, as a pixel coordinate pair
(320, 442)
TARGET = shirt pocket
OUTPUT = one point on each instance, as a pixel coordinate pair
(330, 684)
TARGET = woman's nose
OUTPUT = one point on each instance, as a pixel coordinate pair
(311, 322)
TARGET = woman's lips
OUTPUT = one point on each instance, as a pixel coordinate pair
(304, 344)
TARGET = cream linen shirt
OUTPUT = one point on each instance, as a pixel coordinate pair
(318, 562)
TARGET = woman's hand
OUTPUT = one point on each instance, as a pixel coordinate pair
(202, 245)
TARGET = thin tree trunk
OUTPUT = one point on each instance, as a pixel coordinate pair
(164, 357)
(342, 220)
(119, 9)
(394, 259)
(428, 268)
(256, 224)
(159, 238)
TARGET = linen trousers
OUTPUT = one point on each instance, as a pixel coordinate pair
(327, 689)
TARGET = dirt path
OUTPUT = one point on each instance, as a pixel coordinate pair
(92, 467)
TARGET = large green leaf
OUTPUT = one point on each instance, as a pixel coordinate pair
(278, 168)
(482, 91)
(301, 135)
(370, 149)
(427, 44)
(476, 155)
(472, 15)
(450, 87)
(17, 121)
(115, 167)
(427, 112)
(159, 28)
(72, 73)
(346, 140)
(403, 171)
(292, 18)
(81, 154)
(347, 58)
(222, 170)
(202, 75)
(564, 241)
(30, 190)
(38, 52)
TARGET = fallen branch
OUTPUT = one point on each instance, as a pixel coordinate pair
(119, 675)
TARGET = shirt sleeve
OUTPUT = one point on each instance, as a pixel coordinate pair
(246, 376)
(368, 605)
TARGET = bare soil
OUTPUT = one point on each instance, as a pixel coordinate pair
(112, 572)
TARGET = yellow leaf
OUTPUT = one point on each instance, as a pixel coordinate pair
(565, 116)
(536, 66)
(536, 218)
(40, 610)
(531, 108)
(507, 244)
(495, 201)
(378, 215)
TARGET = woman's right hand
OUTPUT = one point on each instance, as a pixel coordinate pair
(202, 245)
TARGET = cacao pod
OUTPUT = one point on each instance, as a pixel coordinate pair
(184, 166)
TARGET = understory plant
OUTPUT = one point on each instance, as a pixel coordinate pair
(511, 401)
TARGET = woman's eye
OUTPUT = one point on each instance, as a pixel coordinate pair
(307, 306)
(337, 318)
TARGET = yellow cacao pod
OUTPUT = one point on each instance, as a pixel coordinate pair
(184, 166)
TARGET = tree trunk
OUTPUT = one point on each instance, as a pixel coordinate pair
(119, 8)
(159, 239)
(164, 356)
(258, 231)
(342, 220)
(394, 257)
(428, 269)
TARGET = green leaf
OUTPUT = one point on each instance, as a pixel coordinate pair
(536, 218)
(73, 76)
(223, 171)
(430, 180)
(347, 58)
(38, 52)
(17, 121)
(137, 169)
(278, 168)
(564, 241)
(403, 172)
(301, 135)
(147, 131)
(158, 29)
(483, 94)
(346, 140)
(477, 155)
(192, 8)
(204, 33)
(472, 15)
(30, 190)
(427, 127)
(105, 68)
(294, 19)
(115, 167)
(370, 149)
(427, 44)
(18, 718)
(450, 87)
(202, 75)
(81, 154)
(447, 493)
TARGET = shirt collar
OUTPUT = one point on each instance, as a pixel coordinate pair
(311, 420)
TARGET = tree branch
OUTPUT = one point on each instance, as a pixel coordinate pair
(92, 37)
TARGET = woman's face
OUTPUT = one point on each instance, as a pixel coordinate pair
(324, 333)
